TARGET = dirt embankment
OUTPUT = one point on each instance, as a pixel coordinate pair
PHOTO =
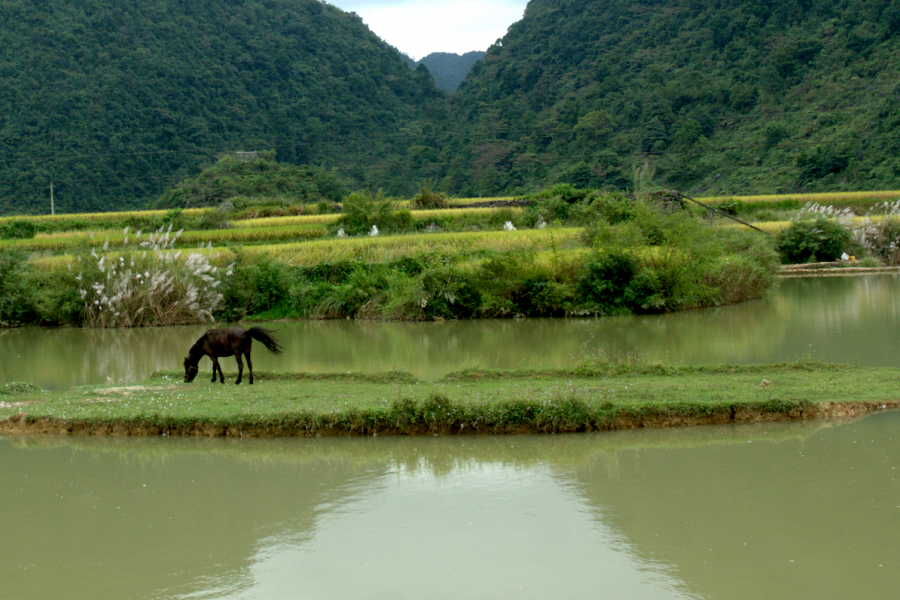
(22, 424)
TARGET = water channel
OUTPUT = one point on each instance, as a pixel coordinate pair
(854, 319)
(788, 511)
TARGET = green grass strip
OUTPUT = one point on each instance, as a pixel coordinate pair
(487, 402)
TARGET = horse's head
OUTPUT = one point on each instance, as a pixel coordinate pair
(190, 370)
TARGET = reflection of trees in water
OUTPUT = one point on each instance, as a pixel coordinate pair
(60, 357)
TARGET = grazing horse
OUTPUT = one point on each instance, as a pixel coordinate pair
(227, 342)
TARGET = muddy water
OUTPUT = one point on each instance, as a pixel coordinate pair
(841, 319)
(788, 511)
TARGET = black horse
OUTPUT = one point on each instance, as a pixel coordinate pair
(227, 342)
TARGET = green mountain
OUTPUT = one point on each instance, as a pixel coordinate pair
(449, 69)
(709, 96)
(113, 102)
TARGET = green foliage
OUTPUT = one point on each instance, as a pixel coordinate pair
(607, 282)
(17, 230)
(258, 176)
(712, 98)
(427, 198)
(252, 286)
(17, 293)
(113, 103)
(361, 211)
(810, 240)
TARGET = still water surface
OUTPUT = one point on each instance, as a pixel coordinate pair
(788, 511)
(853, 319)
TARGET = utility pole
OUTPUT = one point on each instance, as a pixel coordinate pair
(51, 198)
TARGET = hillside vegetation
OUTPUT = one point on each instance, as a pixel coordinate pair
(710, 97)
(113, 102)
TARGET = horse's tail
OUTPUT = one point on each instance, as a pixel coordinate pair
(265, 336)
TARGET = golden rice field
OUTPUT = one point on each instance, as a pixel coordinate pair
(98, 217)
(63, 241)
(304, 240)
(382, 248)
(394, 247)
(329, 219)
(821, 198)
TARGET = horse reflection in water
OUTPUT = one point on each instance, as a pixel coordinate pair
(234, 341)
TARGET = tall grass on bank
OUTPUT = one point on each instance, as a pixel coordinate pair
(152, 287)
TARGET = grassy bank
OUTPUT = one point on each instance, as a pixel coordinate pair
(590, 398)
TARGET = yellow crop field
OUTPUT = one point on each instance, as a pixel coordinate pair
(99, 217)
(821, 198)
(390, 248)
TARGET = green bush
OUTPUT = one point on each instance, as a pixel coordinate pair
(361, 211)
(18, 297)
(427, 198)
(812, 240)
(605, 281)
(17, 230)
(255, 285)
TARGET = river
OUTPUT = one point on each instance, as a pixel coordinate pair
(854, 319)
(788, 511)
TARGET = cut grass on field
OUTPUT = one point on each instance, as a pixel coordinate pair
(475, 401)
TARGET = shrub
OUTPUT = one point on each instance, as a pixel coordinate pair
(255, 285)
(360, 212)
(17, 293)
(17, 230)
(605, 280)
(811, 240)
(427, 198)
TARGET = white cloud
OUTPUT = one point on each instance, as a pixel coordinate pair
(419, 28)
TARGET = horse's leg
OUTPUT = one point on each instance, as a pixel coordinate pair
(249, 366)
(216, 365)
(237, 357)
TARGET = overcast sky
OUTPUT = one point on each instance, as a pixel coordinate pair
(420, 27)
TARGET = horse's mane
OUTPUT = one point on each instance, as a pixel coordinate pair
(196, 352)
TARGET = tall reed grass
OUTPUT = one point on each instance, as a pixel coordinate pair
(155, 286)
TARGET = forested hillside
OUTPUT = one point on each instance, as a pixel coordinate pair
(449, 69)
(113, 102)
(734, 96)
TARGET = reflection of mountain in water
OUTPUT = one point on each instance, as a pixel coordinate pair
(114, 523)
(813, 517)
(160, 518)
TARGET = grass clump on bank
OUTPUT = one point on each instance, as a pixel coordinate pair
(473, 402)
